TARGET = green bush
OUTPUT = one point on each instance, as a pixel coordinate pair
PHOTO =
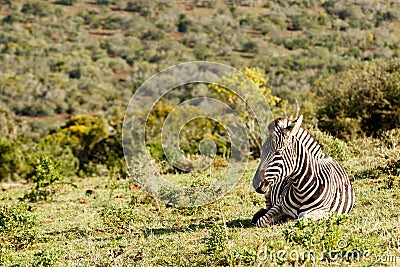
(324, 240)
(15, 17)
(391, 139)
(298, 22)
(47, 177)
(364, 100)
(36, 8)
(143, 7)
(81, 134)
(216, 245)
(56, 151)
(106, 2)
(257, 76)
(332, 146)
(152, 35)
(183, 23)
(83, 143)
(66, 2)
(18, 158)
(45, 258)
(12, 162)
(17, 227)
(117, 219)
(312, 235)
(190, 135)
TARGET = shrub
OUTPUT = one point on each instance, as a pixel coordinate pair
(36, 8)
(190, 135)
(118, 219)
(109, 152)
(46, 258)
(228, 97)
(183, 23)
(217, 244)
(298, 22)
(391, 170)
(81, 134)
(114, 22)
(361, 101)
(143, 7)
(14, 17)
(297, 43)
(57, 151)
(66, 2)
(332, 146)
(391, 139)
(17, 227)
(201, 52)
(106, 2)
(83, 143)
(152, 35)
(46, 178)
(324, 240)
(11, 160)
(312, 235)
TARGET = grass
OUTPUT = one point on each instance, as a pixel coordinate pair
(110, 222)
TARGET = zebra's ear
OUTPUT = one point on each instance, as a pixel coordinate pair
(294, 127)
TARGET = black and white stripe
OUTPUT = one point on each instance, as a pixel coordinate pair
(297, 178)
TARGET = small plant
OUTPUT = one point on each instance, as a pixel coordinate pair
(117, 218)
(217, 240)
(106, 2)
(321, 235)
(11, 159)
(392, 181)
(45, 258)
(66, 2)
(47, 176)
(5, 256)
(17, 228)
(217, 245)
(391, 139)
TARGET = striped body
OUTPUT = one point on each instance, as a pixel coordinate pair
(297, 178)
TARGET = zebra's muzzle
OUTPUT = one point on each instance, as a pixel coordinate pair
(262, 189)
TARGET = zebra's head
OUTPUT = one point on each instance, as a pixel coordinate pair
(280, 142)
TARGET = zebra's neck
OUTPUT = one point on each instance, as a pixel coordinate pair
(309, 153)
(310, 144)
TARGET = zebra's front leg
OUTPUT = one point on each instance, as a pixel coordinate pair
(265, 217)
(268, 201)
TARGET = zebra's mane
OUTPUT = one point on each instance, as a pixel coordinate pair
(313, 137)
(283, 123)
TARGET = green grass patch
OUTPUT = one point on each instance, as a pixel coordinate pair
(111, 222)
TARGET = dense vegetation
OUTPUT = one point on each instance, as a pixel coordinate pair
(363, 100)
(69, 68)
(86, 59)
(111, 222)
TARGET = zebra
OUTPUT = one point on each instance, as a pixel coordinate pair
(297, 178)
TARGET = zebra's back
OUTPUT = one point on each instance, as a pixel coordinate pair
(330, 191)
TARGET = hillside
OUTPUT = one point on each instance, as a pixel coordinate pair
(78, 56)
